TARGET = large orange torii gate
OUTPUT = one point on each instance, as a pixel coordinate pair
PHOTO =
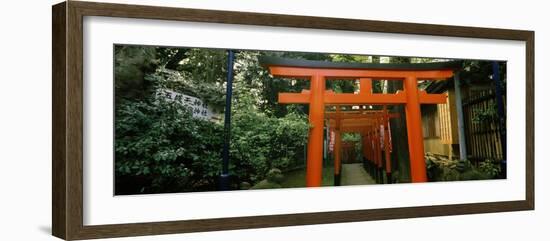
(363, 122)
(317, 72)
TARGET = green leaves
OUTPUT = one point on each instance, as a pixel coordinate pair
(260, 142)
(486, 114)
(490, 167)
(160, 141)
(132, 64)
(160, 147)
(457, 170)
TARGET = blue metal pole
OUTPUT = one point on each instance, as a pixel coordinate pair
(460, 117)
(501, 114)
(224, 177)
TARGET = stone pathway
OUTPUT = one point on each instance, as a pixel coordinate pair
(354, 174)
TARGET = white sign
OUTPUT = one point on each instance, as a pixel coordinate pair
(332, 138)
(199, 108)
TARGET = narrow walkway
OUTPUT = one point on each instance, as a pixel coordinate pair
(354, 174)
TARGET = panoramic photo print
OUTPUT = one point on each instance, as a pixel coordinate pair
(199, 119)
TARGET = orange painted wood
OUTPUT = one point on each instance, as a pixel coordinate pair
(314, 161)
(293, 98)
(360, 115)
(414, 131)
(305, 73)
(357, 129)
(371, 99)
(376, 99)
(387, 146)
(365, 86)
(337, 149)
(369, 146)
(426, 98)
(317, 97)
(377, 146)
(364, 144)
(353, 122)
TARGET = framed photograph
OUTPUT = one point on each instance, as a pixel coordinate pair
(171, 120)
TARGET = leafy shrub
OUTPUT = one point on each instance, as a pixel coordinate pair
(485, 115)
(160, 147)
(260, 142)
(275, 175)
(461, 170)
(265, 184)
(161, 144)
(474, 174)
(490, 168)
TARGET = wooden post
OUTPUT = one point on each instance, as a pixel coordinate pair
(414, 131)
(364, 144)
(378, 151)
(387, 150)
(314, 167)
(337, 150)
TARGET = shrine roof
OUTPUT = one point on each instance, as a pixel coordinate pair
(289, 62)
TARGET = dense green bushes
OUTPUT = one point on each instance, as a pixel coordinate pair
(160, 147)
(261, 143)
(461, 170)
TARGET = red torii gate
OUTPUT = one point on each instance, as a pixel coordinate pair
(372, 151)
(317, 97)
(363, 122)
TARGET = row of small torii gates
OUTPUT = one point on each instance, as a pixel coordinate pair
(374, 127)
(371, 124)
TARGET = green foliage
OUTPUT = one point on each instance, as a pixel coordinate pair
(476, 71)
(474, 174)
(201, 73)
(261, 142)
(275, 175)
(254, 82)
(205, 65)
(351, 58)
(354, 137)
(265, 184)
(490, 167)
(461, 170)
(449, 174)
(212, 94)
(485, 115)
(462, 165)
(160, 147)
(159, 143)
(252, 79)
(132, 64)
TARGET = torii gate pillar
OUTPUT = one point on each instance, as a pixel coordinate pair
(314, 167)
(414, 131)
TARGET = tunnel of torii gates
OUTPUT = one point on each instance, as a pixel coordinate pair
(373, 126)
(317, 72)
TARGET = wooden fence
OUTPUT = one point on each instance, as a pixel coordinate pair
(481, 125)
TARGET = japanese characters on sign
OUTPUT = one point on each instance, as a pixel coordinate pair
(196, 106)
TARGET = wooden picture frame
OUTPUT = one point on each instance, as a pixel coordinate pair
(67, 152)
